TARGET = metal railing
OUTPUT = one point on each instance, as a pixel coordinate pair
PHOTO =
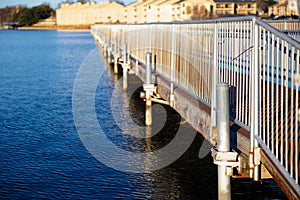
(290, 27)
(292, 24)
(260, 63)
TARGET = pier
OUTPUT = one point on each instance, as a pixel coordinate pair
(183, 64)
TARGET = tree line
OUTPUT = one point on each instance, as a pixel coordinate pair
(25, 16)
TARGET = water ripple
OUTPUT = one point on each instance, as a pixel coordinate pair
(42, 156)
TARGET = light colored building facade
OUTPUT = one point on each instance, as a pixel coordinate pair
(89, 13)
(147, 11)
(130, 12)
(198, 9)
(283, 8)
(235, 7)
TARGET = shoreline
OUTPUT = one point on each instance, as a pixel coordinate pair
(58, 28)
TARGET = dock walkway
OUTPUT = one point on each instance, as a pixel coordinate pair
(259, 62)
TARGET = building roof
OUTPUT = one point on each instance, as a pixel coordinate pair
(101, 4)
(279, 4)
(169, 2)
(114, 5)
(137, 3)
(234, 1)
(156, 2)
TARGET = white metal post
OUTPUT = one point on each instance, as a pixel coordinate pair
(224, 187)
(255, 104)
(125, 53)
(172, 67)
(125, 78)
(125, 67)
(214, 84)
(148, 67)
(116, 57)
(149, 89)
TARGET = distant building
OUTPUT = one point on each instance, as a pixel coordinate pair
(145, 11)
(130, 12)
(197, 9)
(235, 7)
(10, 25)
(89, 13)
(282, 8)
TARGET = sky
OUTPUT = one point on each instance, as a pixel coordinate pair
(31, 3)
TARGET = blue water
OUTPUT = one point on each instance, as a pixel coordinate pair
(42, 156)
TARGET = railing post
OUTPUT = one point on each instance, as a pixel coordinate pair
(148, 67)
(136, 67)
(172, 96)
(108, 50)
(125, 53)
(254, 163)
(105, 50)
(285, 25)
(149, 89)
(125, 67)
(224, 187)
(172, 70)
(214, 86)
(116, 57)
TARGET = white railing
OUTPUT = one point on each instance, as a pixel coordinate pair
(290, 27)
(292, 24)
(260, 63)
(278, 113)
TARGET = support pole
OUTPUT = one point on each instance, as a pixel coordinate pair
(136, 67)
(116, 57)
(149, 89)
(125, 78)
(105, 50)
(148, 95)
(254, 156)
(224, 188)
(148, 67)
(148, 114)
(214, 84)
(125, 67)
(125, 53)
(116, 64)
(116, 46)
(172, 96)
(109, 55)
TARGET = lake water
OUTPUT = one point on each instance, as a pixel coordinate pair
(42, 155)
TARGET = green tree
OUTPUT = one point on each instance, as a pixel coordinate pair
(29, 16)
(25, 17)
(82, 1)
(270, 2)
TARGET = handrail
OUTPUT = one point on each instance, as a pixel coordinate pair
(279, 33)
(238, 51)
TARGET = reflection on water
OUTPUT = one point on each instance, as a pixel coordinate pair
(42, 156)
(189, 177)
